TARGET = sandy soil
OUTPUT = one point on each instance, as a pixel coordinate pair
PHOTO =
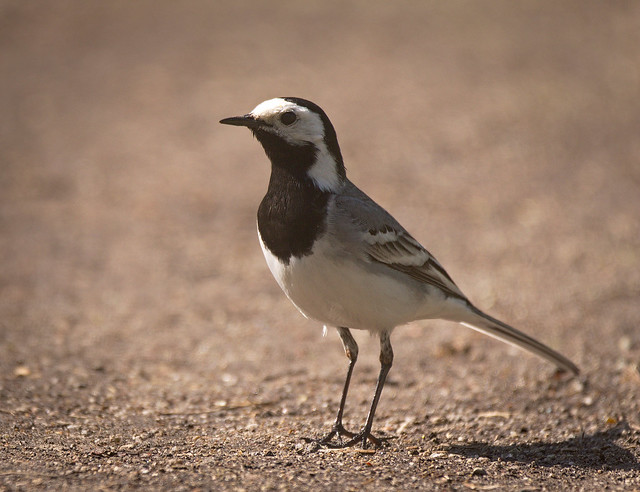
(143, 342)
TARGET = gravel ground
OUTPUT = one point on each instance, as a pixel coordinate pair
(143, 342)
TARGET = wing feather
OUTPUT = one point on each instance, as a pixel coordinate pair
(386, 242)
(406, 255)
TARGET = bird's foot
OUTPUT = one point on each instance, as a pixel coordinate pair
(364, 437)
(337, 431)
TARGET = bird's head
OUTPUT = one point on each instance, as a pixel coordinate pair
(297, 135)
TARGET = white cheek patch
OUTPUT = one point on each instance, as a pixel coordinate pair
(308, 127)
(324, 172)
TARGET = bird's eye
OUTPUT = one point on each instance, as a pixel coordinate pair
(288, 117)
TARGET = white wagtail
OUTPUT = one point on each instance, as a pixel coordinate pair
(341, 258)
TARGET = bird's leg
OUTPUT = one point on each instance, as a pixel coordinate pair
(386, 360)
(351, 350)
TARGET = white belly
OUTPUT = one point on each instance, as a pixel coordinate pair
(341, 292)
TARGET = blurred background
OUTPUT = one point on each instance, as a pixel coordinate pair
(503, 135)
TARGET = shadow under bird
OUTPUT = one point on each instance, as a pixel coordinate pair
(341, 258)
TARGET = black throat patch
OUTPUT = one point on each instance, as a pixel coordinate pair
(292, 215)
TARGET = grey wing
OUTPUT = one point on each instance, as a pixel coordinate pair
(384, 240)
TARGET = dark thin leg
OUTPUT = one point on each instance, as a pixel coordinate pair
(386, 360)
(351, 350)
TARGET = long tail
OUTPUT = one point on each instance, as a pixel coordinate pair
(484, 323)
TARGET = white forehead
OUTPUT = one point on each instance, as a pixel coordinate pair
(307, 128)
(274, 106)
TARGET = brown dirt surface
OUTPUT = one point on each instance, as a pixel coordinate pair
(143, 342)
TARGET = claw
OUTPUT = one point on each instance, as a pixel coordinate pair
(363, 437)
(338, 430)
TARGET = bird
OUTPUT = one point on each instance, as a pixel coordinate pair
(342, 259)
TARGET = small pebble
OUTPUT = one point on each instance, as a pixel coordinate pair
(22, 372)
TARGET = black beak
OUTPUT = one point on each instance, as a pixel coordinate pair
(247, 120)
